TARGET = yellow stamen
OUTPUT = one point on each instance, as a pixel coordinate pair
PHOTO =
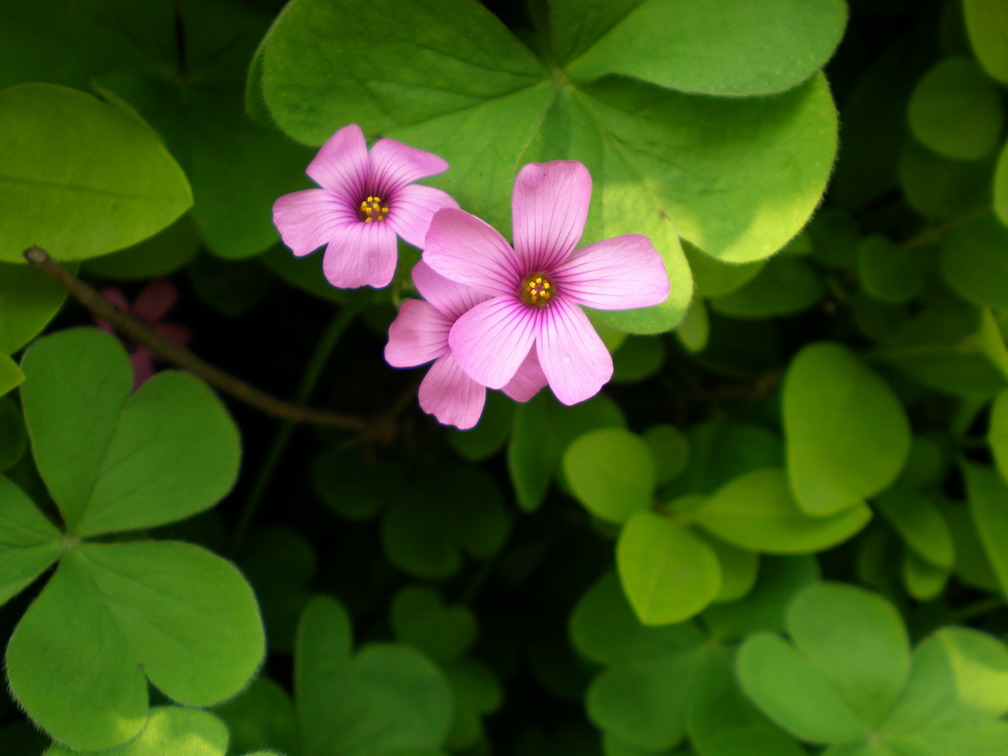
(536, 290)
(372, 209)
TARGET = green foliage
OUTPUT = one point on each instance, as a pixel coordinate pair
(808, 371)
(28, 301)
(127, 598)
(65, 155)
(173, 730)
(383, 699)
(847, 434)
(492, 82)
(946, 695)
(78, 397)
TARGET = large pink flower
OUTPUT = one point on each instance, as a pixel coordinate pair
(419, 334)
(365, 201)
(537, 288)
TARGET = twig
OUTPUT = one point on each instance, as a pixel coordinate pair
(934, 233)
(125, 323)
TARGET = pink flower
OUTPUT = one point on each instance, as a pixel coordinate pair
(151, 304)
(365, 201)
(537, 288)
(419, 334)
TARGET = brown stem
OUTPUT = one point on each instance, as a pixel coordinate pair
(125, 323)
(935, 233)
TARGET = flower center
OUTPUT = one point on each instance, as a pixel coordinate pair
(372, 209)
(537, 290)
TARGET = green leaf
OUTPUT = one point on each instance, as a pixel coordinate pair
(765, 607)
(713, 278)
(678, 146)
(875, 662)
(387, 698)
(784, 286)
(13, 439)
(612, 472)
(887, 271)
(604, 628)
(456, 55)
(956, 111)
(10, 374)
(30, 542)
(103, 703)
(279, 562)
(721, 451)
(356, 488)
(168, 452)
(793, 692)
(757, 511)
(987, 24)
(644, 703)
(171, 729)
(28, 300)
(670, 449)
(714, 47)
(939, 187)
(543, 429)
(920, 524)
(456, 508)
(637, 358)
(988, 503)
(176, 613)
(78, 381)
(847, 434)
(722, 722)
(738, 568)
(189, 616)
(420, 618)
(452, 74)
(973, 261)
(997, 434)
(69, 41)
(237, 167)
(156, 257)
(490, 434)
(668, 573)
(959, 677)
(261, 716)
(923, 580)
(78, 177)
(1001, 186)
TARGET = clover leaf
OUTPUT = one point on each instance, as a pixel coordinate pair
(116, 614)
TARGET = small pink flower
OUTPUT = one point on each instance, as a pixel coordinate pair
(365, 201)
(537, 288)
(419, 334)
(151, 304)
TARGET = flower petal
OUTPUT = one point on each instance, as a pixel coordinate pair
(175, 333)
(448, 297)
(418, 334)
(548, 212)
(142, 361)
(491, 340)
(450, 395)
(528, 380)
(394, 164)
(307, 219)
(466, 249)
(412, 208)
(342, 165)
(615, 274)
(572, 355)
(361, 254)
(154, 301)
